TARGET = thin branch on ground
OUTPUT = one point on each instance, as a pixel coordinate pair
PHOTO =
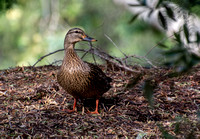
(164, 39)
(55, 62)
(119, 62)
(124, 60)
(41, 58)
(90, 44)
(141, 58)
(114, 44)
(85, 53)
(113, 60)
(109, 58)
(116, 47)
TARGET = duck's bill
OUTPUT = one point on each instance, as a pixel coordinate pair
(89, 39)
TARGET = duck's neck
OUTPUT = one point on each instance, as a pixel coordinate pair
(72, 62)
(70, 55)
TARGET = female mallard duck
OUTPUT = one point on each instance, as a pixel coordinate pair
(78, 78)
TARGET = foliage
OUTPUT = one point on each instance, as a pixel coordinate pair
(160, 4)
(6, 4)
(148, 91)
(30, 29)
(179, 55)
(165, 133)
(190, 5)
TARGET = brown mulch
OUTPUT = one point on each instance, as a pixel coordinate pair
(31, 104)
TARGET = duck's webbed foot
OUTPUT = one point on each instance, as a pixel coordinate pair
(74, 107)
(96, 110)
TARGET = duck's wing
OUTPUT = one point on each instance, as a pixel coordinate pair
(98, 78)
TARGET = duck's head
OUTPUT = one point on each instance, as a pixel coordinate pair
(75, 35)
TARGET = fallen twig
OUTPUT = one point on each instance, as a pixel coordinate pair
(119, 62)
(124, 60)
(114, 44)
(47, 55)
(114, 60)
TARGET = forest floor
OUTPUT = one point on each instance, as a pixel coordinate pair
(31, 104)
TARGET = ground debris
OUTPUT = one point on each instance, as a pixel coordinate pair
(32, 103)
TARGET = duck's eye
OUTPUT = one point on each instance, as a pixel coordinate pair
(77, 32)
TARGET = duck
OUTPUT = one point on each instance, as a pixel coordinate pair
(78, 78)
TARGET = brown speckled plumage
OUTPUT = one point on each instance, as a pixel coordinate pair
(78, 78)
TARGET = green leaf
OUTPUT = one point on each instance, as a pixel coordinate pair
(186, 32)
(133, 81)
(133, 18)
(198, 115)
(162, 20)
(135, 5)
(165, 133)
(150, 12)
(174, 52)
(177, 37)
(170, 12)
(194, 59)
(159, 3)
(148, 91)
(162, 45)
(144, 2)
(198, 37)
(141, 3)
(7, 4)
(169, 64)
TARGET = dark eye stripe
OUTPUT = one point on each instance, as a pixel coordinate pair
(75, 32)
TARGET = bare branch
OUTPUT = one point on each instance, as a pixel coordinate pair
(48, 55)
(113, 60)
(55, 62)
(142, 58)
(108, 58)
(85, 53)
(138, 57)
(148, 61)
(90, 44)
(114, 44)
(164, 39)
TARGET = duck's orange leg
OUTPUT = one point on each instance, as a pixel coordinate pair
(74, 106)
(96, 110)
